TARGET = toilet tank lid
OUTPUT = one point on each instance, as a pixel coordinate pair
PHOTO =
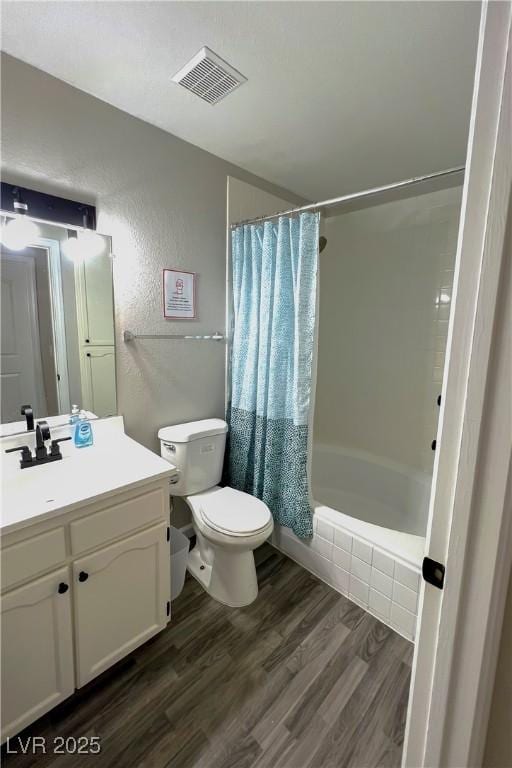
(192, 430)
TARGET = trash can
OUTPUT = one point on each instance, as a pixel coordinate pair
(179, 552)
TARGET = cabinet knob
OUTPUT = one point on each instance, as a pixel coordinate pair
(63, 588)
(83, 576)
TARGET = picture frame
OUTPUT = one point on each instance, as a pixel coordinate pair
(179, 294)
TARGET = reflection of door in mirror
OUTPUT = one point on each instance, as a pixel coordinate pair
(27, 368)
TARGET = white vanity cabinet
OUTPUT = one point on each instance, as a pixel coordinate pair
(121, 599)
(80, 591)
(37, 649)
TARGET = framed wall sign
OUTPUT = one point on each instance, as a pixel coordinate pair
(179, 294)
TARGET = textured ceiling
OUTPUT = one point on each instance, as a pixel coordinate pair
(340, 95)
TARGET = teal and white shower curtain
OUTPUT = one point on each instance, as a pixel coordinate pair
(274, 304)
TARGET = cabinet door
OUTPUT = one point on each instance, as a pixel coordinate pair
(37, 650)
(95, 301)
(99, 380)
(121, 596)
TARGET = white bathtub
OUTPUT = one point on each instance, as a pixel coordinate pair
(383, 502)
(368, 541)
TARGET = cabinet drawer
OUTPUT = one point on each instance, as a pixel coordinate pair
(118, 520)
(31, 557)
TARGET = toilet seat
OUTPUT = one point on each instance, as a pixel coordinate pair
(232, 512)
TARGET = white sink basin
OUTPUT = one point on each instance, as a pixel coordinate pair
(114, 462)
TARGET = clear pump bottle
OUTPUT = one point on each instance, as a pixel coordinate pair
(75, 412)
(83, 431)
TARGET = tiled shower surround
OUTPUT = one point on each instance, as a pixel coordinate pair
(378, 582)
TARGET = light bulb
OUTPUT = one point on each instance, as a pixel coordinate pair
(70, 247)
(18, 233)
(85, 244)
(91, 244)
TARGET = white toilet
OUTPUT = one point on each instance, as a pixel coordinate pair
(229, 524)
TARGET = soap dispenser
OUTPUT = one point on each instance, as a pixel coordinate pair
(75, 412)
(83, 431)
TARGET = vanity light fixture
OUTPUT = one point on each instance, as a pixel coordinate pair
(20, 231)
(70, 246)
(91, 244)
(82, 244)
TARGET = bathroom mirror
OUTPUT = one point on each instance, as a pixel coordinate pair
(57, 322)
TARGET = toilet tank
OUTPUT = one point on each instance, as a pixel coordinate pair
(197, 450)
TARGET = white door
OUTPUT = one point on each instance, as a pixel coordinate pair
(121, 599)
(20, 360)
(95, 300)
(467, 530)
(37, 650)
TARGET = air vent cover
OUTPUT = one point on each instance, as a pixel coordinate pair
(209, 76)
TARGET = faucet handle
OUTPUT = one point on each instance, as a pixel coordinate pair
(26, 455)
(55, 450)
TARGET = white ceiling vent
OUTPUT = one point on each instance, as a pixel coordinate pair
(209, 76)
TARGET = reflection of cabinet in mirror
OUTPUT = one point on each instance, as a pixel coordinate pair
(94, 303)
(98, 372)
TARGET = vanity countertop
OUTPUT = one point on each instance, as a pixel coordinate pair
(114, 463)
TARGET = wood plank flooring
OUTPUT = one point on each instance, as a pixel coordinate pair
(302, 678)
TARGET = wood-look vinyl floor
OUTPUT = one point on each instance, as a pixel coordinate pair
(302, 678)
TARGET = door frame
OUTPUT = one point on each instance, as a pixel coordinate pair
(459, 627)
(58, 321)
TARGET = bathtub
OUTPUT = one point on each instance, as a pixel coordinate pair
(379, 500)
(369, 521)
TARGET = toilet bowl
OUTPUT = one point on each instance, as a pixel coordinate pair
(228, 524)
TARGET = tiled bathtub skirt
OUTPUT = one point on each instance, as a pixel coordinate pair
(370, 577)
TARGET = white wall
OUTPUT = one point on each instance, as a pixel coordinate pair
(382, 332)
(246, 201)
(164, 203)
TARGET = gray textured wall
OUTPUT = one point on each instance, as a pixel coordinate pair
(164, 203)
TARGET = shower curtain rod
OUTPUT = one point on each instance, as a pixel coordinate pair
(353, 196)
